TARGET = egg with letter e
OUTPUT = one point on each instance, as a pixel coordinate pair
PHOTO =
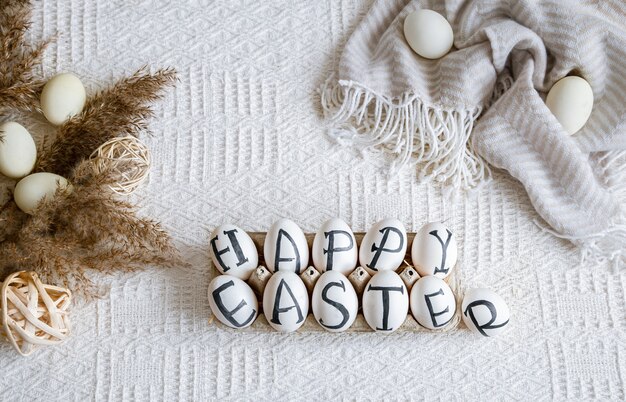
(385, 302)
(62, 97)
(285, 301)
(232, 301)
(434, 250)
(233, 252)
(334, 302)
(335, 248)
(485, 312)
(34, 188)
(432, 302)
(383, 247)
(285, 247)
(428, 33)
(18, 152)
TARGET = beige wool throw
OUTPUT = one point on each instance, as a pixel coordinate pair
(483, 105)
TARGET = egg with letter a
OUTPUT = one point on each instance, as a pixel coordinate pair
(432, 302)
(34, 188)
(232, 301)
(485, 312)
(285, 247)
(335, 248)
(233, 252)
(428, 33)
(385, 302)
(62, 97)
(334, 302)
(571, 100)
(285, 301)
(434, 250)
(383, 247)
(18, 152)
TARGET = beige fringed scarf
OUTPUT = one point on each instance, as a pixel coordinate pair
(482, 104)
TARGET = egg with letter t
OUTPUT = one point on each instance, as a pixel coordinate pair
(334, 302)
(434, 250)
(232, 301)
(385, 302)
(233, 252)
(485, 312)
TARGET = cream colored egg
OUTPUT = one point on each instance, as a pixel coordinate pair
(33, 189)
(428, 33)
(18, 152)
(571, 100)
(62, 97)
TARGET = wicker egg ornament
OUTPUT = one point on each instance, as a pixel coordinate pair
(33, 314)
(128, 157)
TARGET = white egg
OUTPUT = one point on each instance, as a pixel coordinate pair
(428, 33)
(233, 252)
(434, 250)
(285, 247)
(383, 246)
(62, 97)
(285, 301)
(432, 302)
(232, 301)
(485, 312)
(571, 100)
(334, 302)
(385, 302)
(18, 152)
(335, 248)
(33, 189)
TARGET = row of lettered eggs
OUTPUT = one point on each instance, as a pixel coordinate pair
(62, 97)
(385, 300)
(570, 99)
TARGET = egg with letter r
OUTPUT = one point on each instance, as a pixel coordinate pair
(485, 312)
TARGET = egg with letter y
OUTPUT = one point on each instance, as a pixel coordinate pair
(434, 250)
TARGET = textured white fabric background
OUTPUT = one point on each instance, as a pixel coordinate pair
(241, 140)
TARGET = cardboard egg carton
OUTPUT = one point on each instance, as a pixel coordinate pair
(359, 278)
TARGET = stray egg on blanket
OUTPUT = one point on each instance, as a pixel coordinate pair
(428, 33)
(335, 248)
(434, 250)
(571, 100)
(232, 301)
(18, 152)
(334, 302)
(285, 301)
(233, 252)
(383, 246)
(432, 302)
(33, 189)
(62, 97)
(485, 312)
(385, 302)
(285, 247)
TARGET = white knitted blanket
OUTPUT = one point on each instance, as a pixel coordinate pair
(482, 104)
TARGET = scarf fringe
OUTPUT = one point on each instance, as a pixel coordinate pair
(438, 140)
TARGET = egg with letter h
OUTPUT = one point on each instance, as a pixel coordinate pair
(233, 252)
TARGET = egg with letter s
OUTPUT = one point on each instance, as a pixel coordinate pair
(285, 301)
(428, 33)
(232, 301)
(62, 97)
(434, 250)
(18, 152)
(335, 248)
(432, 302)
(34, 188)
(383, 247)
(385, 302)
(571, 100)
(334, 302)
(285, 247)
(485, 312)
(233, 252)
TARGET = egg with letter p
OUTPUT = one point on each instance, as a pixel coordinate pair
(18, 152)
(385, 302)
(285, 247)
(285, 301)
(232, 301)
(334, 302)
(432, 302)
(383, 247)
(485, 312)
(233, 252)
(335, 248)
(434, 250)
